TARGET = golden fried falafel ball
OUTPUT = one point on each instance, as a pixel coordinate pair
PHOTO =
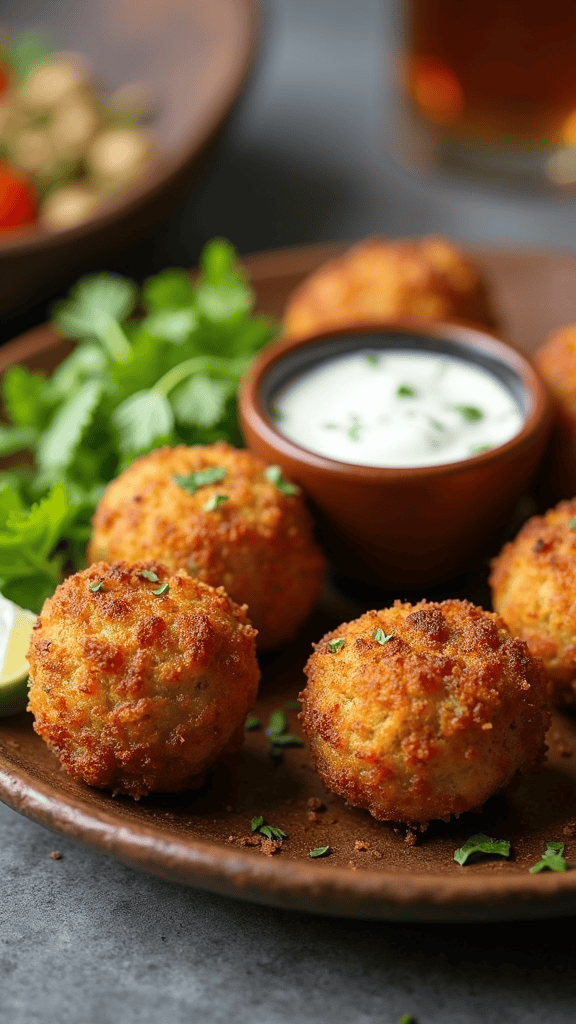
(423, 711)
(556, 360)
(225, 517)
(140, 678)
(379, 279)
(533, 584)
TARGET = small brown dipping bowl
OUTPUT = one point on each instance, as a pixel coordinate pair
(408, 527)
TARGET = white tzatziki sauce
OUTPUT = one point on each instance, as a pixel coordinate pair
(396, 408)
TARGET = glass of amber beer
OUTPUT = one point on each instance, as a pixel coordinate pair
(493, 83)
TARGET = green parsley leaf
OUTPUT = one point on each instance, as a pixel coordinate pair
(201, 478)
(252, 722)
(96, 587)
(277, 724)
(319, 851)
(272, 833)
(28, 397)
(222, 295)
(214, 501)
(162, 589)
(471, 413)
(336, 645)
(58, 444)
(173, 325)
(381, 637)
(275, 476)
(481, 843)
(95, 301)
(256, 823)
(143, 421)
(406, 391)
(147, 574)
(201, 400)
(572, 524)
(170, 290)
(552, 859)
(15, 439)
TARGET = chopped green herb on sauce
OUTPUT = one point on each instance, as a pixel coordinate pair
(201, 478)
(406, 391)
(372, 359)
(477, 449)
(471, 413)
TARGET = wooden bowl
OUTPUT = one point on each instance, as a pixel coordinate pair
(404, 527)
(193, 56)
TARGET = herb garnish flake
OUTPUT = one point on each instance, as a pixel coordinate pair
(481, 843)
(381, 637)
(552, 858)
(146, 574)
(214, 501)
(336, 645)
(275, 476)
(319, 851)
(201, 478)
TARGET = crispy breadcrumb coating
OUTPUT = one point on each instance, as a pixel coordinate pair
(432, 720)
(380, 279)
(138, 691)
(556, 360)
(257, 543)
(534, 590)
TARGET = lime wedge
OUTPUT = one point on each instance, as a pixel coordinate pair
(16, 626)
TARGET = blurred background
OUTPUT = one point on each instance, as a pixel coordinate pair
(316, 150)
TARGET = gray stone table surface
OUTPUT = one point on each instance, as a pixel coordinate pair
(309, 154)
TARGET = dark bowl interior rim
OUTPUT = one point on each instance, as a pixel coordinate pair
(467, 335)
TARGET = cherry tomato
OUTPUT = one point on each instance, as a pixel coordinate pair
(18, 204)
(4, 77)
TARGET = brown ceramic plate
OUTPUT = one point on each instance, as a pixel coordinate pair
(197, 838)
(193, 56)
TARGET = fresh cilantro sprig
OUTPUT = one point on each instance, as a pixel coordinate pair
(150, 366)
(552, 859)
(481, 843)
